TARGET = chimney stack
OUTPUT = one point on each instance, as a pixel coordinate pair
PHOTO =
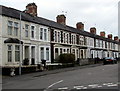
(102, 33)
(109, 36)
(31, 9)
(93, 30)
(116, 38)
(80, 26)
(61, 19)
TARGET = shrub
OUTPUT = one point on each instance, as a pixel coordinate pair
(32, 61)
(66, 58)
(26, 61)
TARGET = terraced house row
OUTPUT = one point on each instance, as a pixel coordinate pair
(42, 39)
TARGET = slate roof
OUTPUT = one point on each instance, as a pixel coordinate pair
(13, 40)
(13, 13)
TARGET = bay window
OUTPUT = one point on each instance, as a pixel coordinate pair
(17, 53)
(9, 53)
(42, 53)
(47, 53)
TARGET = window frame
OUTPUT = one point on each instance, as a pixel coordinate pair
(33, 32)
(27, 30)
(16, 28)
(17, 51)
(9, 51)
(10, 28)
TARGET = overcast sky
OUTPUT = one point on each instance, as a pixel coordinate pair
(102, 14)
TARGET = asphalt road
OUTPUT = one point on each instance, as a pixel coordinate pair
(100, 77)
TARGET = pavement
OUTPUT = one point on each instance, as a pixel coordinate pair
(47, 72)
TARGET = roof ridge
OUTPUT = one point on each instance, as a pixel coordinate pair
(10, 8)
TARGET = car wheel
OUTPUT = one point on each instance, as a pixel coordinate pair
(104, 63)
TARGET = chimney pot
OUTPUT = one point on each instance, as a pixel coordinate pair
(61, 19)
(80, 26)
(31, 9)
(102, 33)
(93, 30)
(116, 38)
(109, 36)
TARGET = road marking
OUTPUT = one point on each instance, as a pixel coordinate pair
(63, 88)
(94, 86)
(85, 88)
(99, 86)
(107, 83)
(80, 87)
(54, 84)
(112, 85)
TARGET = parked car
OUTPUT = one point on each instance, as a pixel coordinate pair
(109, 60)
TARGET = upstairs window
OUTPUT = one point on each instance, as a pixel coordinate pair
(67, 38)
(64, 37)
(59, 37)
(81, 40)
(10, 27)
(105, 44)
(26, 30)
(41, 33)
(45, 34)
(55, 36)
(72, 39)
(15, 28)
(32, 31)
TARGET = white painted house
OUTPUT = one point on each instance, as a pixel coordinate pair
(35, 39)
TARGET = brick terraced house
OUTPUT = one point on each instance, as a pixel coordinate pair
(42, 39)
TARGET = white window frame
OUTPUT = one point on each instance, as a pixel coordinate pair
(11, 26)
(59, 36)
(33, 31)
(15, 53)
(55, 36)
(41, 37)
(11, 52)
(27, 30)
(16, 28)
(45, 54)
(45, 33)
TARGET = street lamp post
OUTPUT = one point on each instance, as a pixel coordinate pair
(20, 62)
(21, 49)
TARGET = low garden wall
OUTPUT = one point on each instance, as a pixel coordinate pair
(24, 69)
